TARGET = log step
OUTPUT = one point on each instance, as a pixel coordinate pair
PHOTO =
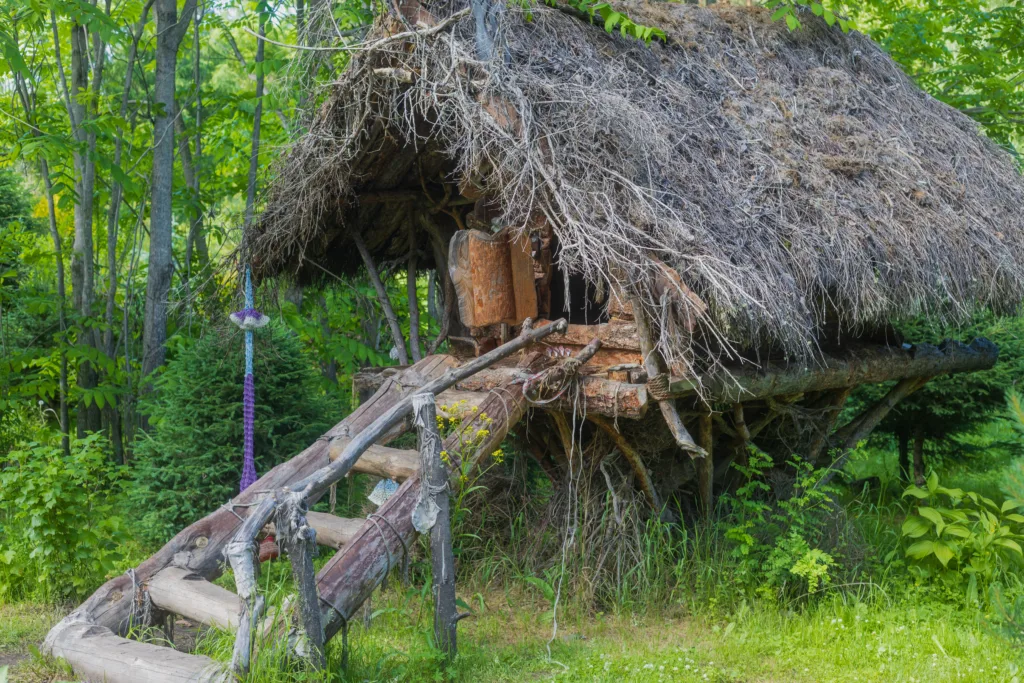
(458, 403)
(179, 591)
(380, 461)
(331, 531)
(96, 654)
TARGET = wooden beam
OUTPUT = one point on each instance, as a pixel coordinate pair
(180, 591)
(379, 461)
(834, 403)
(331, 531)
(861, 427)
(98, 655)
(382, 298)
(599, 396)
(857, 366)
(617, 334)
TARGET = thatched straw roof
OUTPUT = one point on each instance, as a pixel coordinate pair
(795, 180)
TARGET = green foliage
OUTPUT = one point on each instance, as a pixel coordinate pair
(964, 52)
(788, 11)
(959, 536)
(58, 520)
(191, 461)
(613, 19)
(775, 541)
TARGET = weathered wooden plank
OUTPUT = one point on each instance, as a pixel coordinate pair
(180, 591)
(99, 656)
(868, 365)
(524, 289)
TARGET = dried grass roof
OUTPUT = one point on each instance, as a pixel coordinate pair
(793, 179)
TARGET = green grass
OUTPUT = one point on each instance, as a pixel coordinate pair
(836, 639)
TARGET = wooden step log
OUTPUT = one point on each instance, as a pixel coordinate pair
(455, 403)
(380, 461)
(180, 591)
(101, 656)
(331, 531)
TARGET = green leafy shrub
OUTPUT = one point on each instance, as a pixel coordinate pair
(776, 543)
(58, 523)
(191, 461)
(959, 536)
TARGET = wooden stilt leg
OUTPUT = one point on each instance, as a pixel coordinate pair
(432, 514)
(705, 466)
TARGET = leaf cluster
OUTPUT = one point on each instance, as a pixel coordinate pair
(962, 535)
(61, 532)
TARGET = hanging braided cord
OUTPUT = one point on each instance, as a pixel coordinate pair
(248, 319)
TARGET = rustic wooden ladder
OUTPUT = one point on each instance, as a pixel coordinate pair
(177, 579)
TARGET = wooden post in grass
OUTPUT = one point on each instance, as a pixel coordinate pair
(432, 514)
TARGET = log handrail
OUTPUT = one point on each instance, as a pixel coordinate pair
(241, 550)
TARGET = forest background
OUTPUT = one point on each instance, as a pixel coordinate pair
(135, 139)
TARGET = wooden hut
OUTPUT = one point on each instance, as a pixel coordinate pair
(728, 220)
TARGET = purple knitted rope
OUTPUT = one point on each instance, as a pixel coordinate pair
(248, 420)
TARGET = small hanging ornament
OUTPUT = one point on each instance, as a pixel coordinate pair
(248, 319)
(384, 489)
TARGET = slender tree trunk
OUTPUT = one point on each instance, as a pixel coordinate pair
(382, 297)
(918, 457)
(904, 455)
(329, 368)
(82, 271)
(65, 440)
(113, 222)
(414, 299)
(170, 31)
(254, 156)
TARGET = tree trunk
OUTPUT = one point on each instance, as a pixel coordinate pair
(918, 456)
(170, 31)
(382, 297)
(65, 440)
(414, 300)
(904, 455)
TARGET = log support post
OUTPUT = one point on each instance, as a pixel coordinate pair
(706, 466)
(243, 553)
(382, 297)
(833, 405)
(432, 515)
(306, 636)
(861, 426)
